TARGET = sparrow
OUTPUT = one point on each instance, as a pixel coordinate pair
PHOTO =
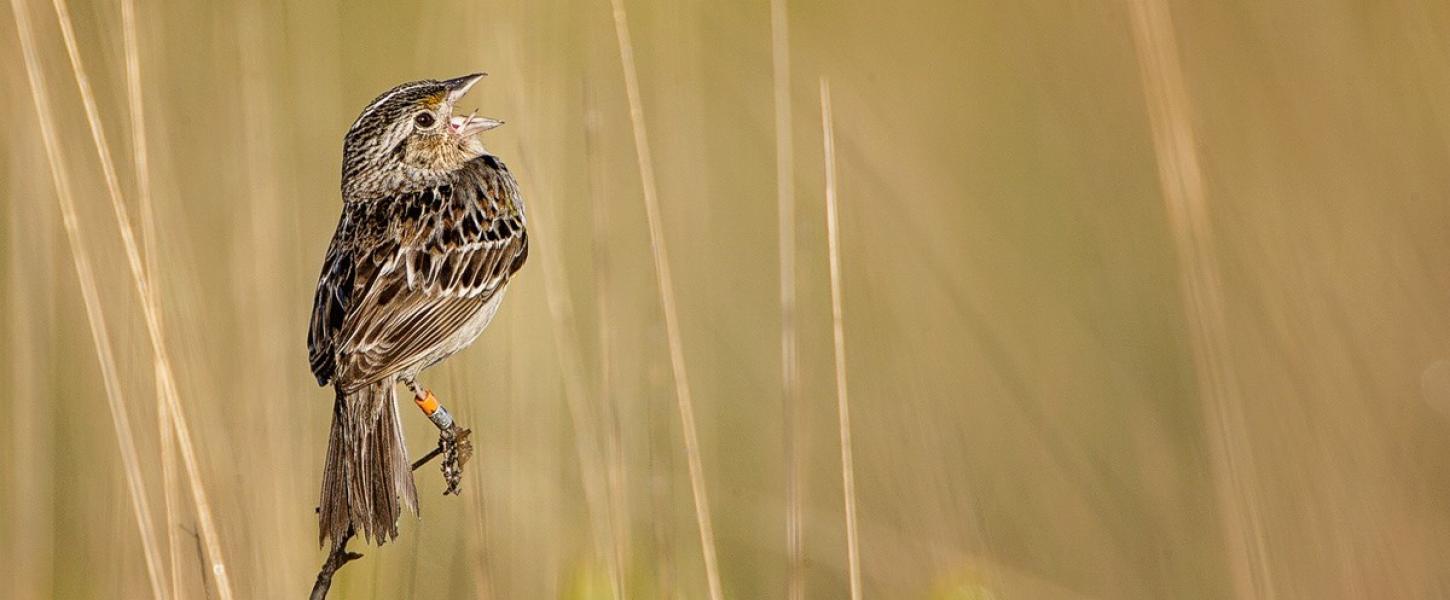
(432, 231)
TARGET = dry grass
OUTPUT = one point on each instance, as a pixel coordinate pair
(1202, 287)
(609, 414)
(140, 155)
(792, 411)
(95, 314)
(1113, 278)
(585, 421)
(667, 301)
(148, 304)
(838, 335)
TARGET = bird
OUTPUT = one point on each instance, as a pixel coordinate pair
(432, 232)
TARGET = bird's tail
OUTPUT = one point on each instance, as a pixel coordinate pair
(367, 479)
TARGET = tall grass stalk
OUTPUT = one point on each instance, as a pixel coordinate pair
(1181, 177)
(609, 415)
(838, 328)
(264, 243)
(792, 412)
(584, 423)
(140, 153)
(29, 541)
(170, 491)
(95, 314)
(667, 299)
(566, 346)
(149, 308)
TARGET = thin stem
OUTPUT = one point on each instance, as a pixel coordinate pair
(789, 366)
(838, 318)
(667, 299)
(95, 315)
(149, 308)
(338, 557)
(1181, 177)
(170, 491)
(141, 166)
(566, 345)
(609, 415)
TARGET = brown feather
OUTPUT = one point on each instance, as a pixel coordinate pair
(404, 277)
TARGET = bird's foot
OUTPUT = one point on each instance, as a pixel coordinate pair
(457, 449)
(453, 442)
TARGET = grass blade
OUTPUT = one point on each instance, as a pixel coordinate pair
(667, 299)
(1181, 177)
(141, 165)
(792, 411)
(838, 327)
(95, 314)
(149, 308)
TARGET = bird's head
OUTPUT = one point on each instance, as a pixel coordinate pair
(412, 135)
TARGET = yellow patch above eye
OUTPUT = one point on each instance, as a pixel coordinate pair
(435, 100)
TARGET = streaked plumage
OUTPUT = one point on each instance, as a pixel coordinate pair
(432, 230)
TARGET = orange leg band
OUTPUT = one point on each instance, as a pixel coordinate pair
(435, 411)
(428, 403)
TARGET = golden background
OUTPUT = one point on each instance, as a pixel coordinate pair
(1142, 299)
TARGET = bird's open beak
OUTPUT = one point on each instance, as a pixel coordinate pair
(471, 124)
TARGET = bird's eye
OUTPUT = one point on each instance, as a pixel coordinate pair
(424, 119)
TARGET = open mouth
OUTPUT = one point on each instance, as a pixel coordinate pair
(471, 124)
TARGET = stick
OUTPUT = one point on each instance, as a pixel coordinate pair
(340, 555)
(335, 560)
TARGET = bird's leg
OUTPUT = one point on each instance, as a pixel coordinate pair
(453, 442)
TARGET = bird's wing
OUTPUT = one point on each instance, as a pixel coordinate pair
(435, 259)
(329, 304)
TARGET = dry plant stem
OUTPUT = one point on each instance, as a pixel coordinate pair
(338, 557)
(423, 460)
(141, 165)
(614, 461)
(574, 395)
(29, 541)
(667, 299)
(838, 317)
(1181, 177)
(789, 367)
(149, 308)
(116, 401)
(561, 312)
(170, 491)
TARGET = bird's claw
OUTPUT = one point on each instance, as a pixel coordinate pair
(457, 449)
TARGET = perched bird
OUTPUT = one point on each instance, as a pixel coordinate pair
(432, 231)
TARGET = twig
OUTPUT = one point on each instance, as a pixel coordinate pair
(833, 238)
(667, 300)
(337, 558)
(456, 449)
(340, 555)
(423, 460)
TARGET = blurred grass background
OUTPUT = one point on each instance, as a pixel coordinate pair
(1028, 418)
